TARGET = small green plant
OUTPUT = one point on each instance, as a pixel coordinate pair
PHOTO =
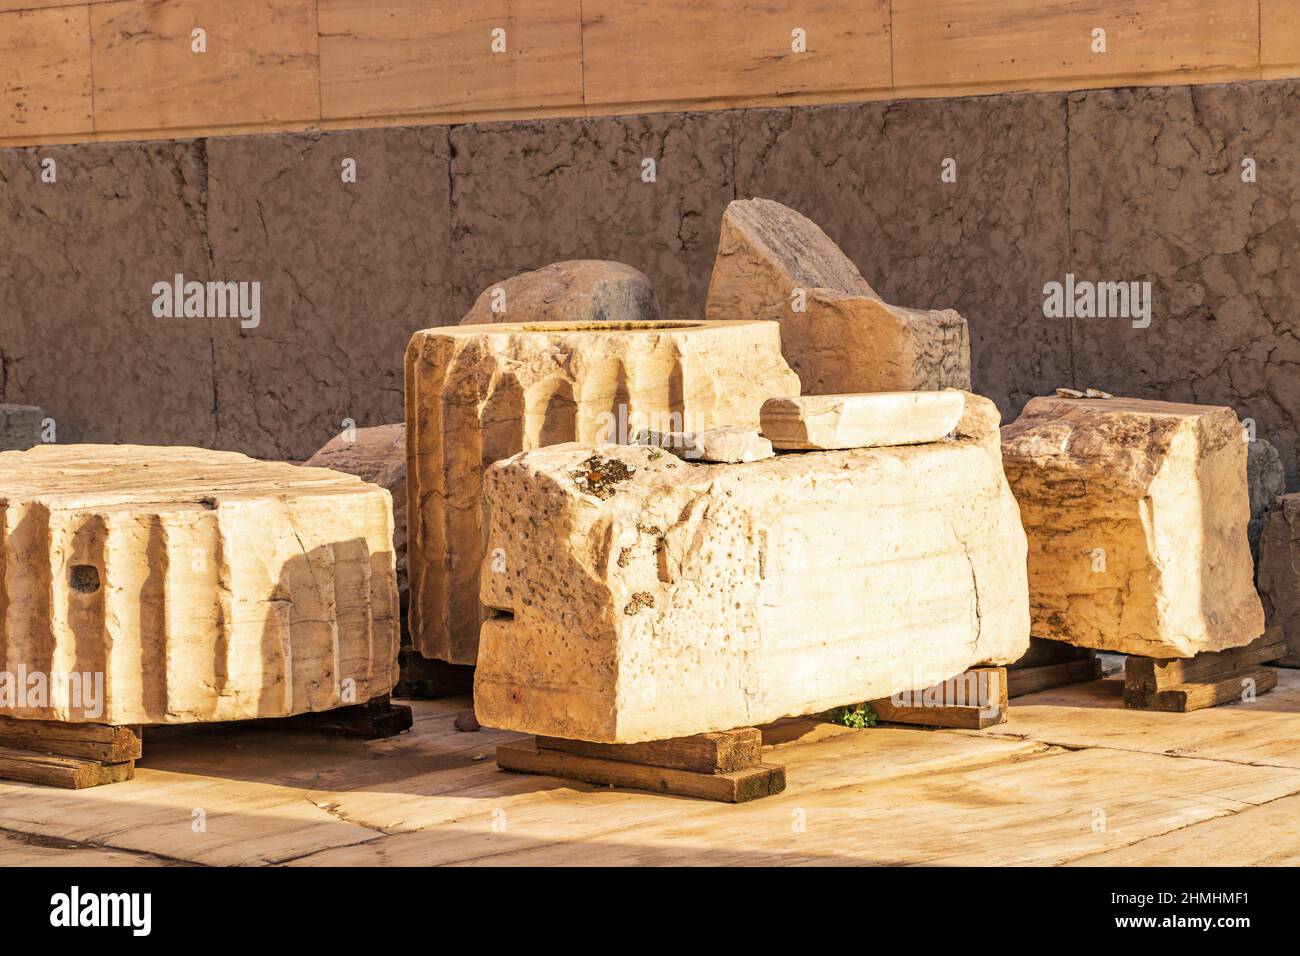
(852, 715)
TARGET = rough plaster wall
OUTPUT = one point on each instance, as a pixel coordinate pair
(1151, 189)
(78, 259)
(525, 194)
(1157, 193)
(348, 270)
(870, 176)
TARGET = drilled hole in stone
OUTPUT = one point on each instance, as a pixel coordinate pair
(84, 578)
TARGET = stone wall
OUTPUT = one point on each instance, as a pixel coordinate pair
(1113, 185)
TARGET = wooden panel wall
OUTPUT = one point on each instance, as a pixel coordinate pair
(124, 69)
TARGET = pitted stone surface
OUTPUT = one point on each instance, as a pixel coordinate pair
(670, 598)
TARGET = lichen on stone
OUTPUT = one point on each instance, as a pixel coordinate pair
(598, 476)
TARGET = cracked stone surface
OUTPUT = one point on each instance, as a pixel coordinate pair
(529, 193)
(689, 598)
(201, 585)
(582, 290)
(869, 176)
(1157, 194)
(348, 270)
(78, 260)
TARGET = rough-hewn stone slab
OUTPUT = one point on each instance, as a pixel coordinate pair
(577, 290)
(836, 332)
(478, 393)
(1136, 513)
(654, 598)
(861, 421)
(202, 585)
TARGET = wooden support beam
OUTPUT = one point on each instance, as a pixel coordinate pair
(101, 742)
(725, 766)
(970, 701)
(1206, 680)
(372, 720)
(69, 773)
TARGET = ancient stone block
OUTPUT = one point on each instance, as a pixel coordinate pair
(198, 585)
(1267, 480)
(838, 335)
(860, 421)
(477, 394)
(1136, 513)
(1279, 570)
(654, 598)
(578, 290)
(20, 426)
(726, 443)
(376, 455)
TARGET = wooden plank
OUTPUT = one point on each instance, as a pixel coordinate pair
(92, 741)
(1279, 37)
(1029, 680)
(1183, 698)
(703, 753)
(45, 85)
(646, 56)
(68, 773)
(260, 66)
(1151, 673)
(951, 47)
(739, 786)
(970, 701)
(1043, 651)
(403, 57)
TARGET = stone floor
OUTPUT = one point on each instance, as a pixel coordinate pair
(1071, 778)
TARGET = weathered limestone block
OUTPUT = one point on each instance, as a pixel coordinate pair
(20, 427)
(201, 585)
(577, 290)
(1136, 513)
(861, 421)
(376, 455)
(655, 598)
(477, 394)
(1279, 570)
(726, 443)
(1267, 480)
(837, 333)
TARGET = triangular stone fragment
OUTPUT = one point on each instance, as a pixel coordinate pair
(837, 333)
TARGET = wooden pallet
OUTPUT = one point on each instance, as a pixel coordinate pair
(970, 701)
(424, 679)
(68, 755)
(74, 756)
(1049, 664)
(1180, 685)
(726, 766)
